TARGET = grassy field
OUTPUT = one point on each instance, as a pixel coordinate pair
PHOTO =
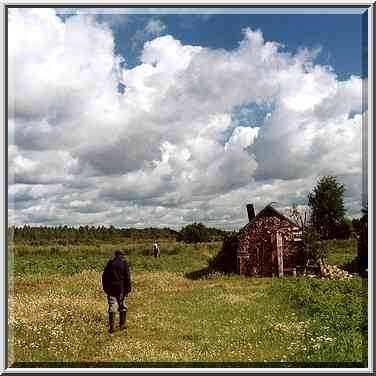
(59, 312)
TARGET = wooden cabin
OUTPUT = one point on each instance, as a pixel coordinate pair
(269, 245)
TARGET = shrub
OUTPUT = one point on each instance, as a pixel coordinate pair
(225, 260)
(314, 250)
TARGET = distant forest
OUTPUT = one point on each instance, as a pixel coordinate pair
(85, 234)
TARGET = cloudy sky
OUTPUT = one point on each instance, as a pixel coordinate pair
(159, 119)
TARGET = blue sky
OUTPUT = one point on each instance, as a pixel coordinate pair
(162, 119)
(339, 36)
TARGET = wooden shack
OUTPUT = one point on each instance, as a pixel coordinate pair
(269, 245)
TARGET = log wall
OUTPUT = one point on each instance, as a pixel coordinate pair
(257, 251)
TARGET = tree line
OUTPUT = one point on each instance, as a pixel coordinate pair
(38, 235)
(72, 234)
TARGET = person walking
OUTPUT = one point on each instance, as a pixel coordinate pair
(157, 252)
(116, 282)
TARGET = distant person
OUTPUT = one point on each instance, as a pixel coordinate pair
(157, 252)
(116, 281)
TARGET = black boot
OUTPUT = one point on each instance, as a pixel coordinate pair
(111, 319)
(123, 316)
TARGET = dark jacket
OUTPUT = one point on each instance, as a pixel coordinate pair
(116, 278)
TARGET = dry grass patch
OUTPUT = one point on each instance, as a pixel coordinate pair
(63, 318)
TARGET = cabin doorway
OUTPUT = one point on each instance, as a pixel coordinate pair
(268, 258)
(263, 266)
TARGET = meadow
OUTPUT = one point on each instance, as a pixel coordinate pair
(180, 314)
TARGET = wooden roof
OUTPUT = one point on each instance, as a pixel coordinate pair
(269, 209)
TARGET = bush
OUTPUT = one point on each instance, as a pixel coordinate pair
(314, 250)
(226, 259)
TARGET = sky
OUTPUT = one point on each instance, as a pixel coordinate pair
(153, 118)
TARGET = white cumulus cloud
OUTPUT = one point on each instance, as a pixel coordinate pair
(170, 149)
(155, 26)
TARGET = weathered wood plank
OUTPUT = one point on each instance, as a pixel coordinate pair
(279, 253)
(258, 240)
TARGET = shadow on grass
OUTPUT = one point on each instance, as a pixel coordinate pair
(199, 274)
(212, 269)
(224, 262)
(356, 266)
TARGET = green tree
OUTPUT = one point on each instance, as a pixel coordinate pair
(194, 233)
(327, 208)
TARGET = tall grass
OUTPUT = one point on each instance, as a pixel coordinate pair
(340, 252)
(59, 314)
(167, 247)
(336, 311)
(74, 259)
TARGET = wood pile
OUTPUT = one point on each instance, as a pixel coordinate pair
(257, 242)
(334, 272)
